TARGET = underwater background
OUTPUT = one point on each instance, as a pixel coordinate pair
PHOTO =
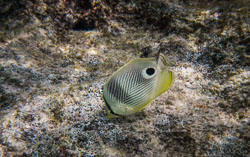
(56, 55)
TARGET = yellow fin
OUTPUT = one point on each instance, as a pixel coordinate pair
(109, 114)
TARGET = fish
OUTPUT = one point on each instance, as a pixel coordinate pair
(136, 84)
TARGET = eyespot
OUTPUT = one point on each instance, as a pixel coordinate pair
(149, 72)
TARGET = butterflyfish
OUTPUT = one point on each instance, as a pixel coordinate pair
(133, 86)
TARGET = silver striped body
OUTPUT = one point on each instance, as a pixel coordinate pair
(129, 89)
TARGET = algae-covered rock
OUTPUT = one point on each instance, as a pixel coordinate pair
(55, 57)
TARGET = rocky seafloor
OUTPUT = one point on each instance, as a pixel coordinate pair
(55, 57)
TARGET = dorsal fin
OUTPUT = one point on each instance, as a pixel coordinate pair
(161, 57)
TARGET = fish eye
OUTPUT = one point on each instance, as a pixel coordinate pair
(149, 72)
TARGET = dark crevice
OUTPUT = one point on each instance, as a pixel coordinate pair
(84, 25)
